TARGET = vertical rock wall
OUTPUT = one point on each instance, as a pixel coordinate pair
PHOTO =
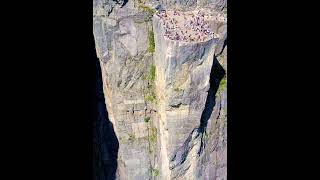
(183, 75)
(161, 136)
(121, 35)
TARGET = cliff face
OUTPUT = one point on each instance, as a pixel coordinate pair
(166, 99)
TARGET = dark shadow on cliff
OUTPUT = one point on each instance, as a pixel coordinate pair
(125, 2)
(106, 144)
(216, 75)
(122, 3)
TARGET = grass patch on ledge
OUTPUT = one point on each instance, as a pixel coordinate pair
(155, 172)
(147, 9)
(151, 47)
(152, 75)
(222, 85)
(153, 135)
(152, 139)
(146, 119)
(177, 89)
(151, 98)
(150, 94)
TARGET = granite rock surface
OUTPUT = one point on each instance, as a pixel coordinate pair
(165, 100)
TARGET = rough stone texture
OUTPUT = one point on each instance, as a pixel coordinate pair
(183, 75)
(121, 37)
(185, 137)
(192, 4)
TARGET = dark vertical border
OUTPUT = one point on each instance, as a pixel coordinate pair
(50, 105)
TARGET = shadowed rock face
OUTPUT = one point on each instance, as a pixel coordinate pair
(166, 112)
(106, 144)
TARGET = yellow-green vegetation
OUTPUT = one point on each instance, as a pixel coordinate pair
(151, 98)
(152, 75)
(155, 172)
(222, 85)
(153, 135)
(147, 9)
(146, 119)
(150, 93)
(151, 47)
(150, 11)
(149, 86)
(177, 89)
(152, 139)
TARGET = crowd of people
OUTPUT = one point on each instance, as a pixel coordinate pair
(185, 26)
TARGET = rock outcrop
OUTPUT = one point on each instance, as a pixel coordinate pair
(166, 99)
(183, 75)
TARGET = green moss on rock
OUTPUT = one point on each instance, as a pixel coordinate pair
(146, 119)
(155, 172)
(223, 84)
(151, 47)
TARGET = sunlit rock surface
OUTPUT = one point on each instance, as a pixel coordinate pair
(165, 98)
